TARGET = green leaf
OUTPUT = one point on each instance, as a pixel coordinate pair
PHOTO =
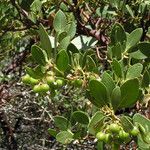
(146, 79)
(144, 48)
(129, 93)
(126, 123)
(64, 43)
(61, 122)
(116, 51)
(117, 68)
(52, 132)
(39, 55)
(130, 11)
(143, 140)
(134, 71)
(96, 122)
(80, 117)
(64, 137)
(118, 34)
(99, 93)
(137, 55)
(133, 38)
(62, 60)
(60, 21)
(71, 29)
(35, 73)
(108, 81)
(116, 97)
(90, 64)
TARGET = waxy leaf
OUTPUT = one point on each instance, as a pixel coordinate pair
(64, 137)
(62, 60)
(61, 122)
(107, 80)
(60, 21)
(71, 29)
(52, 132)
(90, 64)
(96, 122)
(45, 41)
(144, 48)
(99, 93)
(146, 79)
(64, 43)
(117, 68)
(133, 38)
(39, 55)
(129, 93)
(134, 71)
(126, 123)
(116, 97)
(80, 117)
(118, 34)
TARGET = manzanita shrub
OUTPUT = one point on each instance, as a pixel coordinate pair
(65, 60)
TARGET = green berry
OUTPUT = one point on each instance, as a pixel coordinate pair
(123, 135)
(42, 88)
(134, 131)
(60, 82)
(29, 80)
(101, 136)
(50, 80)
(78, 82)
(115, 128)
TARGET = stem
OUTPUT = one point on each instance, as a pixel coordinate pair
(115, 146)
(55, 48)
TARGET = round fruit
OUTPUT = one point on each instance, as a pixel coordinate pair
(29, 80)
(41, 88)
(78, 82)
(101, 136)
(60, 82)
(50, 80)
(134, 131)
(33, 81)
(115, 128)
(123, 135)
(107, 138)
(26, 79)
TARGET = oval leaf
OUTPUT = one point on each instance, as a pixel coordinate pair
(134, 71)
(61, 122)
(64, 137)
(60, 21)
(96, 122)
(133, 38)
(129, 93)
(99, 93)
(116, 97)
(45, 41)
(39, 55)
(107, 80)
(62, 60)
(80, 117)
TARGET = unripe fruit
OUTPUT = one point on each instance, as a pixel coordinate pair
(41, 88)
(29, 80)
(26, 79)
(123, 135)
(107, 138)
(115, 128)
(78, 82)
(134, 131)
(100, 136)
(50, 80)
(60, 82)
